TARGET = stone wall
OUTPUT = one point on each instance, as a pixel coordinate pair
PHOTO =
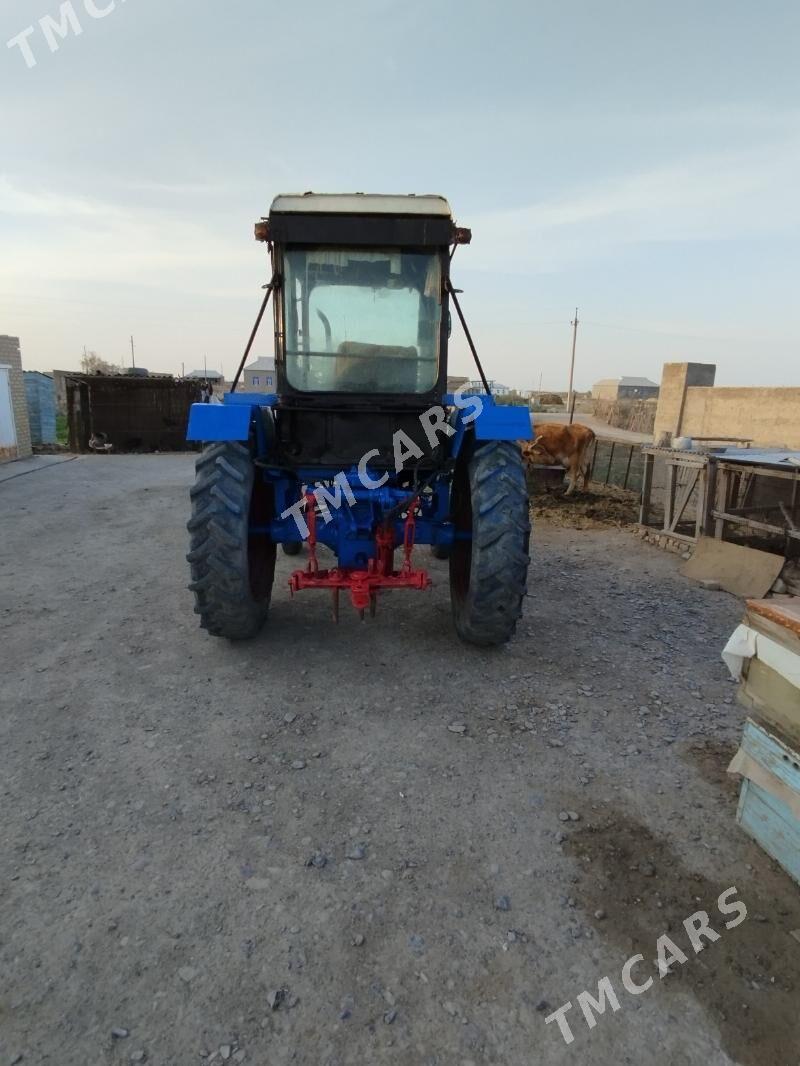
(764, 415)
(690, 405)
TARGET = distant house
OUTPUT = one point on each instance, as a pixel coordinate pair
(496, 387)
(456, 382)
(259, 376)
(213, 376)
(625, 388)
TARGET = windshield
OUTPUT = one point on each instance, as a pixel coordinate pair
(362, 320)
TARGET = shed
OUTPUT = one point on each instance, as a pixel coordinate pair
(625, 388)
(132, 414)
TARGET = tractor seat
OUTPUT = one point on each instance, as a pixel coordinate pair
(362, 367)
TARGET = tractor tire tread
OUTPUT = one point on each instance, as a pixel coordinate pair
(218, 550)
(488, 613)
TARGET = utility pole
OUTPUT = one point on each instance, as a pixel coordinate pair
(574, 325)
(133, 353)
(183, 372)
(205, 366)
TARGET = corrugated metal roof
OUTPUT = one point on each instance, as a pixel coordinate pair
(761, 457)
(639, 382)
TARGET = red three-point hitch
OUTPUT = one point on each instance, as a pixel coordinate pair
(363, 585)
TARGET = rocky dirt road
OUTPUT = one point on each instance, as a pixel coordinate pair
(365, 844)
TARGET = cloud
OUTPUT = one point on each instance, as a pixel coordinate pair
(57, 238)
(702, 198)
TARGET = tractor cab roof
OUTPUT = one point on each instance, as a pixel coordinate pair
(360, 203)
(361, 219)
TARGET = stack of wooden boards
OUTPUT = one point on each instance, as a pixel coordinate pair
(764, 652)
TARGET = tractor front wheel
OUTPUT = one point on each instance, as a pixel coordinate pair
(488, 571)
(232, 568)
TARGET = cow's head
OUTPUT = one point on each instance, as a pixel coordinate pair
(535, 452)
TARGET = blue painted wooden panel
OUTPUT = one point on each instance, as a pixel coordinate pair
(772, 825)
(781, 761)
(40, 396)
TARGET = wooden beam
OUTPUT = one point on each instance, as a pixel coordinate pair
(750, 523)
(647, 488)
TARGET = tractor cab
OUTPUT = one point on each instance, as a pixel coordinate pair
(362, 295)
(361, 319)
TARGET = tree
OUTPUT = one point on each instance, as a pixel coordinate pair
(91, 363)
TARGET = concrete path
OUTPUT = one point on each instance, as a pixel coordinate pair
(601, 429)
(31, 465)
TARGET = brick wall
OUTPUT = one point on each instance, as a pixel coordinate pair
(10, 356)
(676, 378)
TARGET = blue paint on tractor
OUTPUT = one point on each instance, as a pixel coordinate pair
(255, 399)
(503, 422)
(220, 421)
(349, 531)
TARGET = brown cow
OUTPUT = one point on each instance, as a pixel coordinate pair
(557, 444)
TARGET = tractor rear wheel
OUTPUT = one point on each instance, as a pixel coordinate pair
(488, 573)
(232, 568)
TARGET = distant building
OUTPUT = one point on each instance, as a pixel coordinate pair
(259, 376)
(456, 382)
(496, 387)
(625, 388)
(213, 376)
(15, 434)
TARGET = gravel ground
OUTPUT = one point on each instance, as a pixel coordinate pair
(365, 844)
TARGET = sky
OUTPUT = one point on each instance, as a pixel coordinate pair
(638, 160)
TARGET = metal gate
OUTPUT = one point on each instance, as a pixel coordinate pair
(616, 462)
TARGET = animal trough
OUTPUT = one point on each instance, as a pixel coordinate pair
(545, 478)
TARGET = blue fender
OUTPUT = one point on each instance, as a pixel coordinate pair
(490, 421)
(219, 421)
(229, 420)
(503, 422)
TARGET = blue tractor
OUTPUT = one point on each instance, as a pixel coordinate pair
(360, 448)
